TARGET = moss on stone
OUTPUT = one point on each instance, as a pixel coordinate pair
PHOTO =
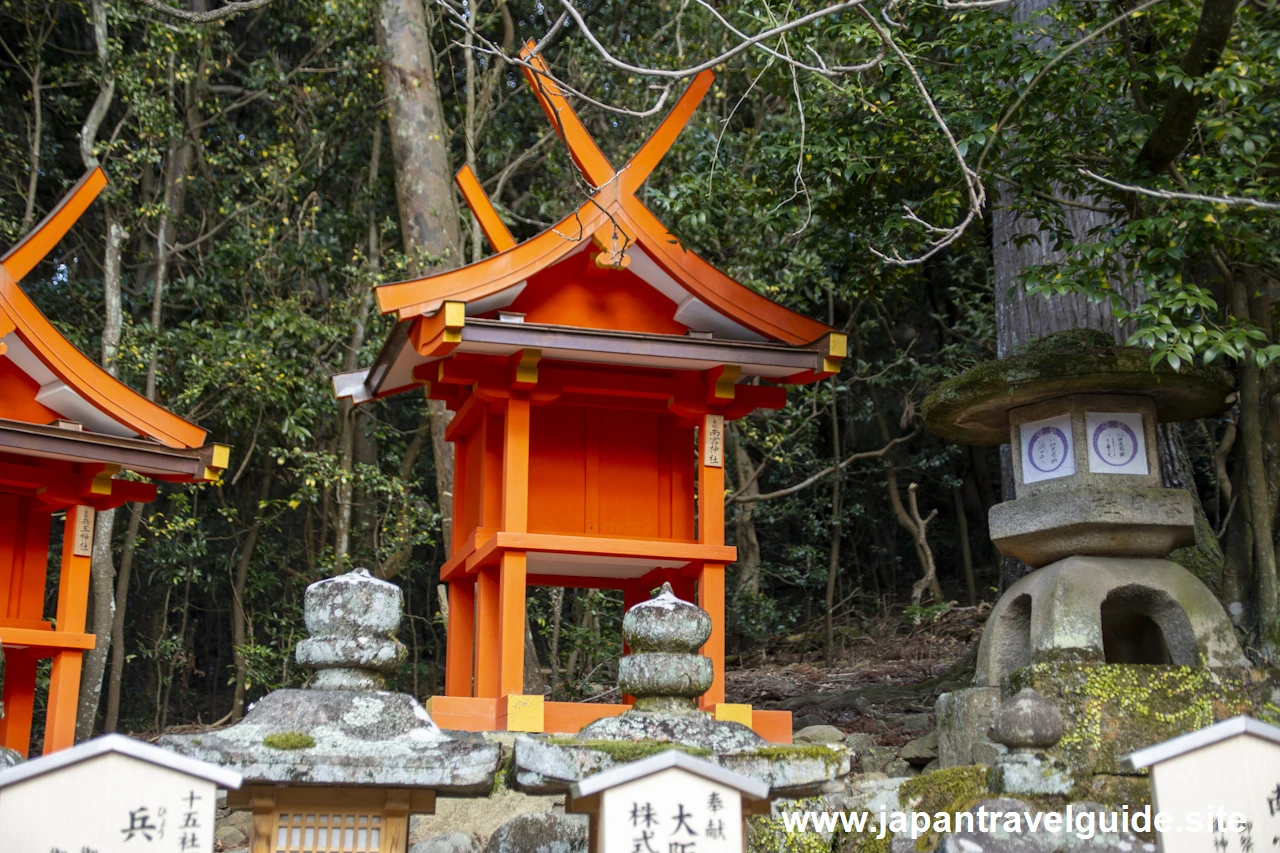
(627, 750)
(973, 406)
(950, 790)
(505, 775)
(768, 834)
(1114, 709)
(831, 758)
(289, 740)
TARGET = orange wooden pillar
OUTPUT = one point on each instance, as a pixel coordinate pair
(487, 633)
(73, 602)
(24, 548)
(711, 532)
(512, 568)
(19, 700)
(459, 665)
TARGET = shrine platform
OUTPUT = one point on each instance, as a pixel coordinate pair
(518, 713)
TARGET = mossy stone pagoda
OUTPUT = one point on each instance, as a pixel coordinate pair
(67, 428)
(591, 369)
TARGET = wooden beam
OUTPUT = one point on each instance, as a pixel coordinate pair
(495, 230)
(33, 248)
(39, 640)
(586, 154)
(644, 161)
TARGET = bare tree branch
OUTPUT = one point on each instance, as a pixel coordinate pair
(221, 13)
(1233, 201)
(829, 470)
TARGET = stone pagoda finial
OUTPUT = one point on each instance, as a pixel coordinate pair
(664, 670)
(352, 620)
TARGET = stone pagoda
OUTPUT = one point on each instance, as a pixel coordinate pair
(666, 675)
(1132, 647)
(344, 750)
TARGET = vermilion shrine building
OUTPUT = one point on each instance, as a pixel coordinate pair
(67, 428)
(591, 370)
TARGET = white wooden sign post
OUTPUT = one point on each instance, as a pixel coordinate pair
(1218, 788)
(112, 794)
(668, 803)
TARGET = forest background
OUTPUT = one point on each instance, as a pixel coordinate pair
(946, 182)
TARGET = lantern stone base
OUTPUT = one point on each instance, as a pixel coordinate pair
(551, 766)
(1106, 610)
(1112, 710)
(1117, 522)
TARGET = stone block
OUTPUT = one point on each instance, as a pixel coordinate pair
(964, 720)
(1141, 522)
(986, 752)
(921, 751)
(860, 742)
(818, 734)
(1114, 709)
(1026, 774)
(898, 768)
(454, 842)
(805, 720)
(551, 832)
(229, 836)
(479, 817)
(876, 758)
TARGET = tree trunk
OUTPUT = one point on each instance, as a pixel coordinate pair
(112, 717)
(239, 618)
(424, 182)
(748, 543)
(346, 420)
(419, 146)
(101, 567)
(1254, 411)
(833, 562)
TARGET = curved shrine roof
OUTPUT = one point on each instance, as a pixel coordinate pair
(611, 249)
(48, 380)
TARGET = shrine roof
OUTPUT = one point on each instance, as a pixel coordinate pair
(751, 789)
(608, 266)
(56, 395)
(117, 744)
(1199, 739)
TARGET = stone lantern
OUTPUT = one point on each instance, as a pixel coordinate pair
(1103, 607)
(344, 761)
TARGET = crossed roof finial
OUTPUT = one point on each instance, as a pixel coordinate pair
(608, 182)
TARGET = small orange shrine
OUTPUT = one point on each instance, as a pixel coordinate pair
(591, 370)
(67, 427)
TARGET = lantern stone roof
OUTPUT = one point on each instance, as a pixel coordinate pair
(1184, 744)
(973, 408)
(58, 403)
(119, 745)
(608, 283)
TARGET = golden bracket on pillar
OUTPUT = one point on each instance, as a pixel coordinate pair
(524, 369)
